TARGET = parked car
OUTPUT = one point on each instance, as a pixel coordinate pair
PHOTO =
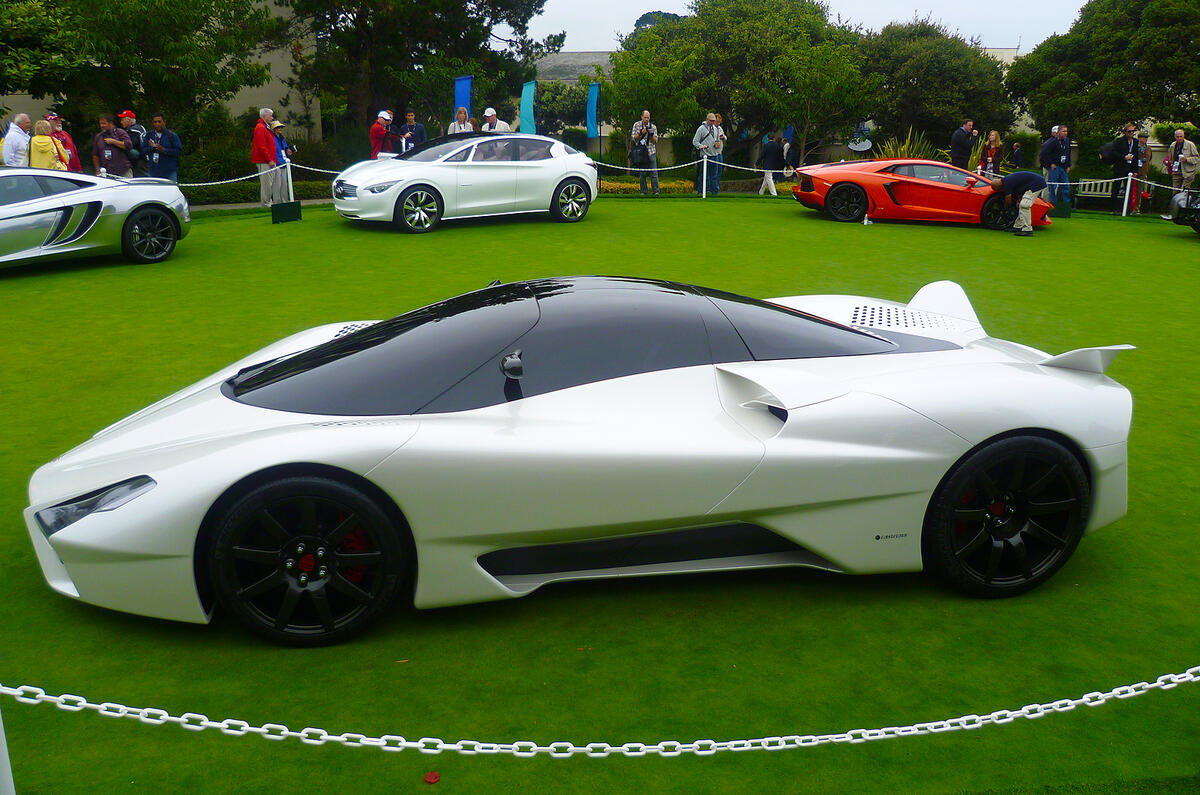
(908, 190)
(57, 214)
(581, 428)
(1185, 209)
(468, 175)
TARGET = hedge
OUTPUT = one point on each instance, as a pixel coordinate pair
(247, 191)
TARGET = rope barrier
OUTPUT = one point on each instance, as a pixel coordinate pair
(255, 175)
(193, 721)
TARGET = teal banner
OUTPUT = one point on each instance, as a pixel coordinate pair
(593, 110)
(528, 94)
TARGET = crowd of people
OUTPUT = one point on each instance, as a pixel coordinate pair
(122, 147)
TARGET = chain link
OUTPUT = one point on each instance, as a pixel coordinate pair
(562, 749)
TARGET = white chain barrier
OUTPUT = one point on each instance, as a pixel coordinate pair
(255, 175)
(193, 721)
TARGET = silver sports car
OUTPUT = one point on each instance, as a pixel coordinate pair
(468, 175)
(588, 427)
(57, 214)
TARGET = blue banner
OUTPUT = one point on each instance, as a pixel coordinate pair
(462, 95)
(593, 110)
(528, 92)
(788, 133)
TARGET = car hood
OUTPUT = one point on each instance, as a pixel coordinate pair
(371, 171)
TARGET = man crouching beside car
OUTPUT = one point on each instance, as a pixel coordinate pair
(1021, 188)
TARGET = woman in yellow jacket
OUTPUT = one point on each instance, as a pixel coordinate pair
(44, 150)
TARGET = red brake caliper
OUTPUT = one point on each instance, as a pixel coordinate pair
(355, 541)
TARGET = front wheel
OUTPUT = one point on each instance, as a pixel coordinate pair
(306, 561)
(570, 202)
(418, 210)
(996, 215)
(1007, 517)
(149, 235)
(846, 202)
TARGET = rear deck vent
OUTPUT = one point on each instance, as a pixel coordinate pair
(350, 328)
(883, 316)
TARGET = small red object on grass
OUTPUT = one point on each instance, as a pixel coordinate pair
(432, 777)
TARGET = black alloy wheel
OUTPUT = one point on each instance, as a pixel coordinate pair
(418, 210)
(995, 215)
(149, 235)
(1007, 517)
(846, 202)
(306, 561)
(570, 202)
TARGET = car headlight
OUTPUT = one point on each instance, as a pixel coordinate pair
(381, 187)
(109, 498)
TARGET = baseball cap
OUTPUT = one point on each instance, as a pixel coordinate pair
(383, 114)
(489, 112)
(51, 116)
(126, 114)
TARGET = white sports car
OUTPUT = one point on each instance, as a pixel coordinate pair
(468, 175)
(588, 427)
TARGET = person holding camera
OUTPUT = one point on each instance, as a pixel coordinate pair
(137, 134)
(644, 154)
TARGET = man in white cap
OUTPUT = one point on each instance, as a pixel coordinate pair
(492, 124)
(380, 140)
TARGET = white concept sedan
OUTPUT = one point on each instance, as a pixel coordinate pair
(588, 427)
(468, 175)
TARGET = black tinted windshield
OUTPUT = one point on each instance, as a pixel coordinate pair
(396, 366)
(434, 150)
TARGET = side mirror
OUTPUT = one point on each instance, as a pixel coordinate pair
(972, 182)
(511, 366)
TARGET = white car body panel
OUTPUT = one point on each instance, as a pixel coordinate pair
(838, 454)
(471, 188)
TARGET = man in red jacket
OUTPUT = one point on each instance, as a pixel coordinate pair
(64, 138)
(381, 139)
(262, 155)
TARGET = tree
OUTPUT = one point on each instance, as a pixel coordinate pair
(559, 105)
(1122, 60)
(394, 53)
(930, 80)
(177, 56)
(39, 47)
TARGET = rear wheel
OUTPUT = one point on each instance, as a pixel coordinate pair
(418, 210)
(149, 235)
(570, 201)
(846, 202)
(1007, 517)
(995, 215)
(306, 561)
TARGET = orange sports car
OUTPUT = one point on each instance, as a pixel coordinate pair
(908, 190)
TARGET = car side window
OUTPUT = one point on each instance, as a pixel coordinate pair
(586, 336)
(903, 171)
(771, 331)
(535, 150)
(459, 157)
(19, 188)
(492, 152)
(53, 185)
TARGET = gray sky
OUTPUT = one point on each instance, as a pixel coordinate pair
(596, 25)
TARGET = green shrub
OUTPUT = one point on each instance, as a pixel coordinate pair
(1164, 132)
(248, 191)
(575, 137)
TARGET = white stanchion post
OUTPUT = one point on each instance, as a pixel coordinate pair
(291, 196)
(1125, 204)
(6, 778)
(704, 171)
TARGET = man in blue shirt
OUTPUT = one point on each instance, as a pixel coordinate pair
(163, 150)
(1021, 188)
(411, 133)
(1055, 160)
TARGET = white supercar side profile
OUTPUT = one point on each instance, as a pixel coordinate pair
(588, 427)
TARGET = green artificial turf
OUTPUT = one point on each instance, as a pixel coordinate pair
(723, 656)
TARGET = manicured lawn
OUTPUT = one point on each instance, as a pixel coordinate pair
(723, 657)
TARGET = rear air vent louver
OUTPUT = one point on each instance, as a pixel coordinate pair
(883, 316)
(350, 328)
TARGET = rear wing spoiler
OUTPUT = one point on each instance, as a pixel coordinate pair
(1087, 360)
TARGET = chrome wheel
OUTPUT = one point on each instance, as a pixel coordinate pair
(149, 235)
(418, 210)
(570, 202)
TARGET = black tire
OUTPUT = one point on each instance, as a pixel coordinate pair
(846, 202)
(149, 235)
(570, 201)
(418, 210)
(1007, 517)
(995, 215)
(306, 561)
